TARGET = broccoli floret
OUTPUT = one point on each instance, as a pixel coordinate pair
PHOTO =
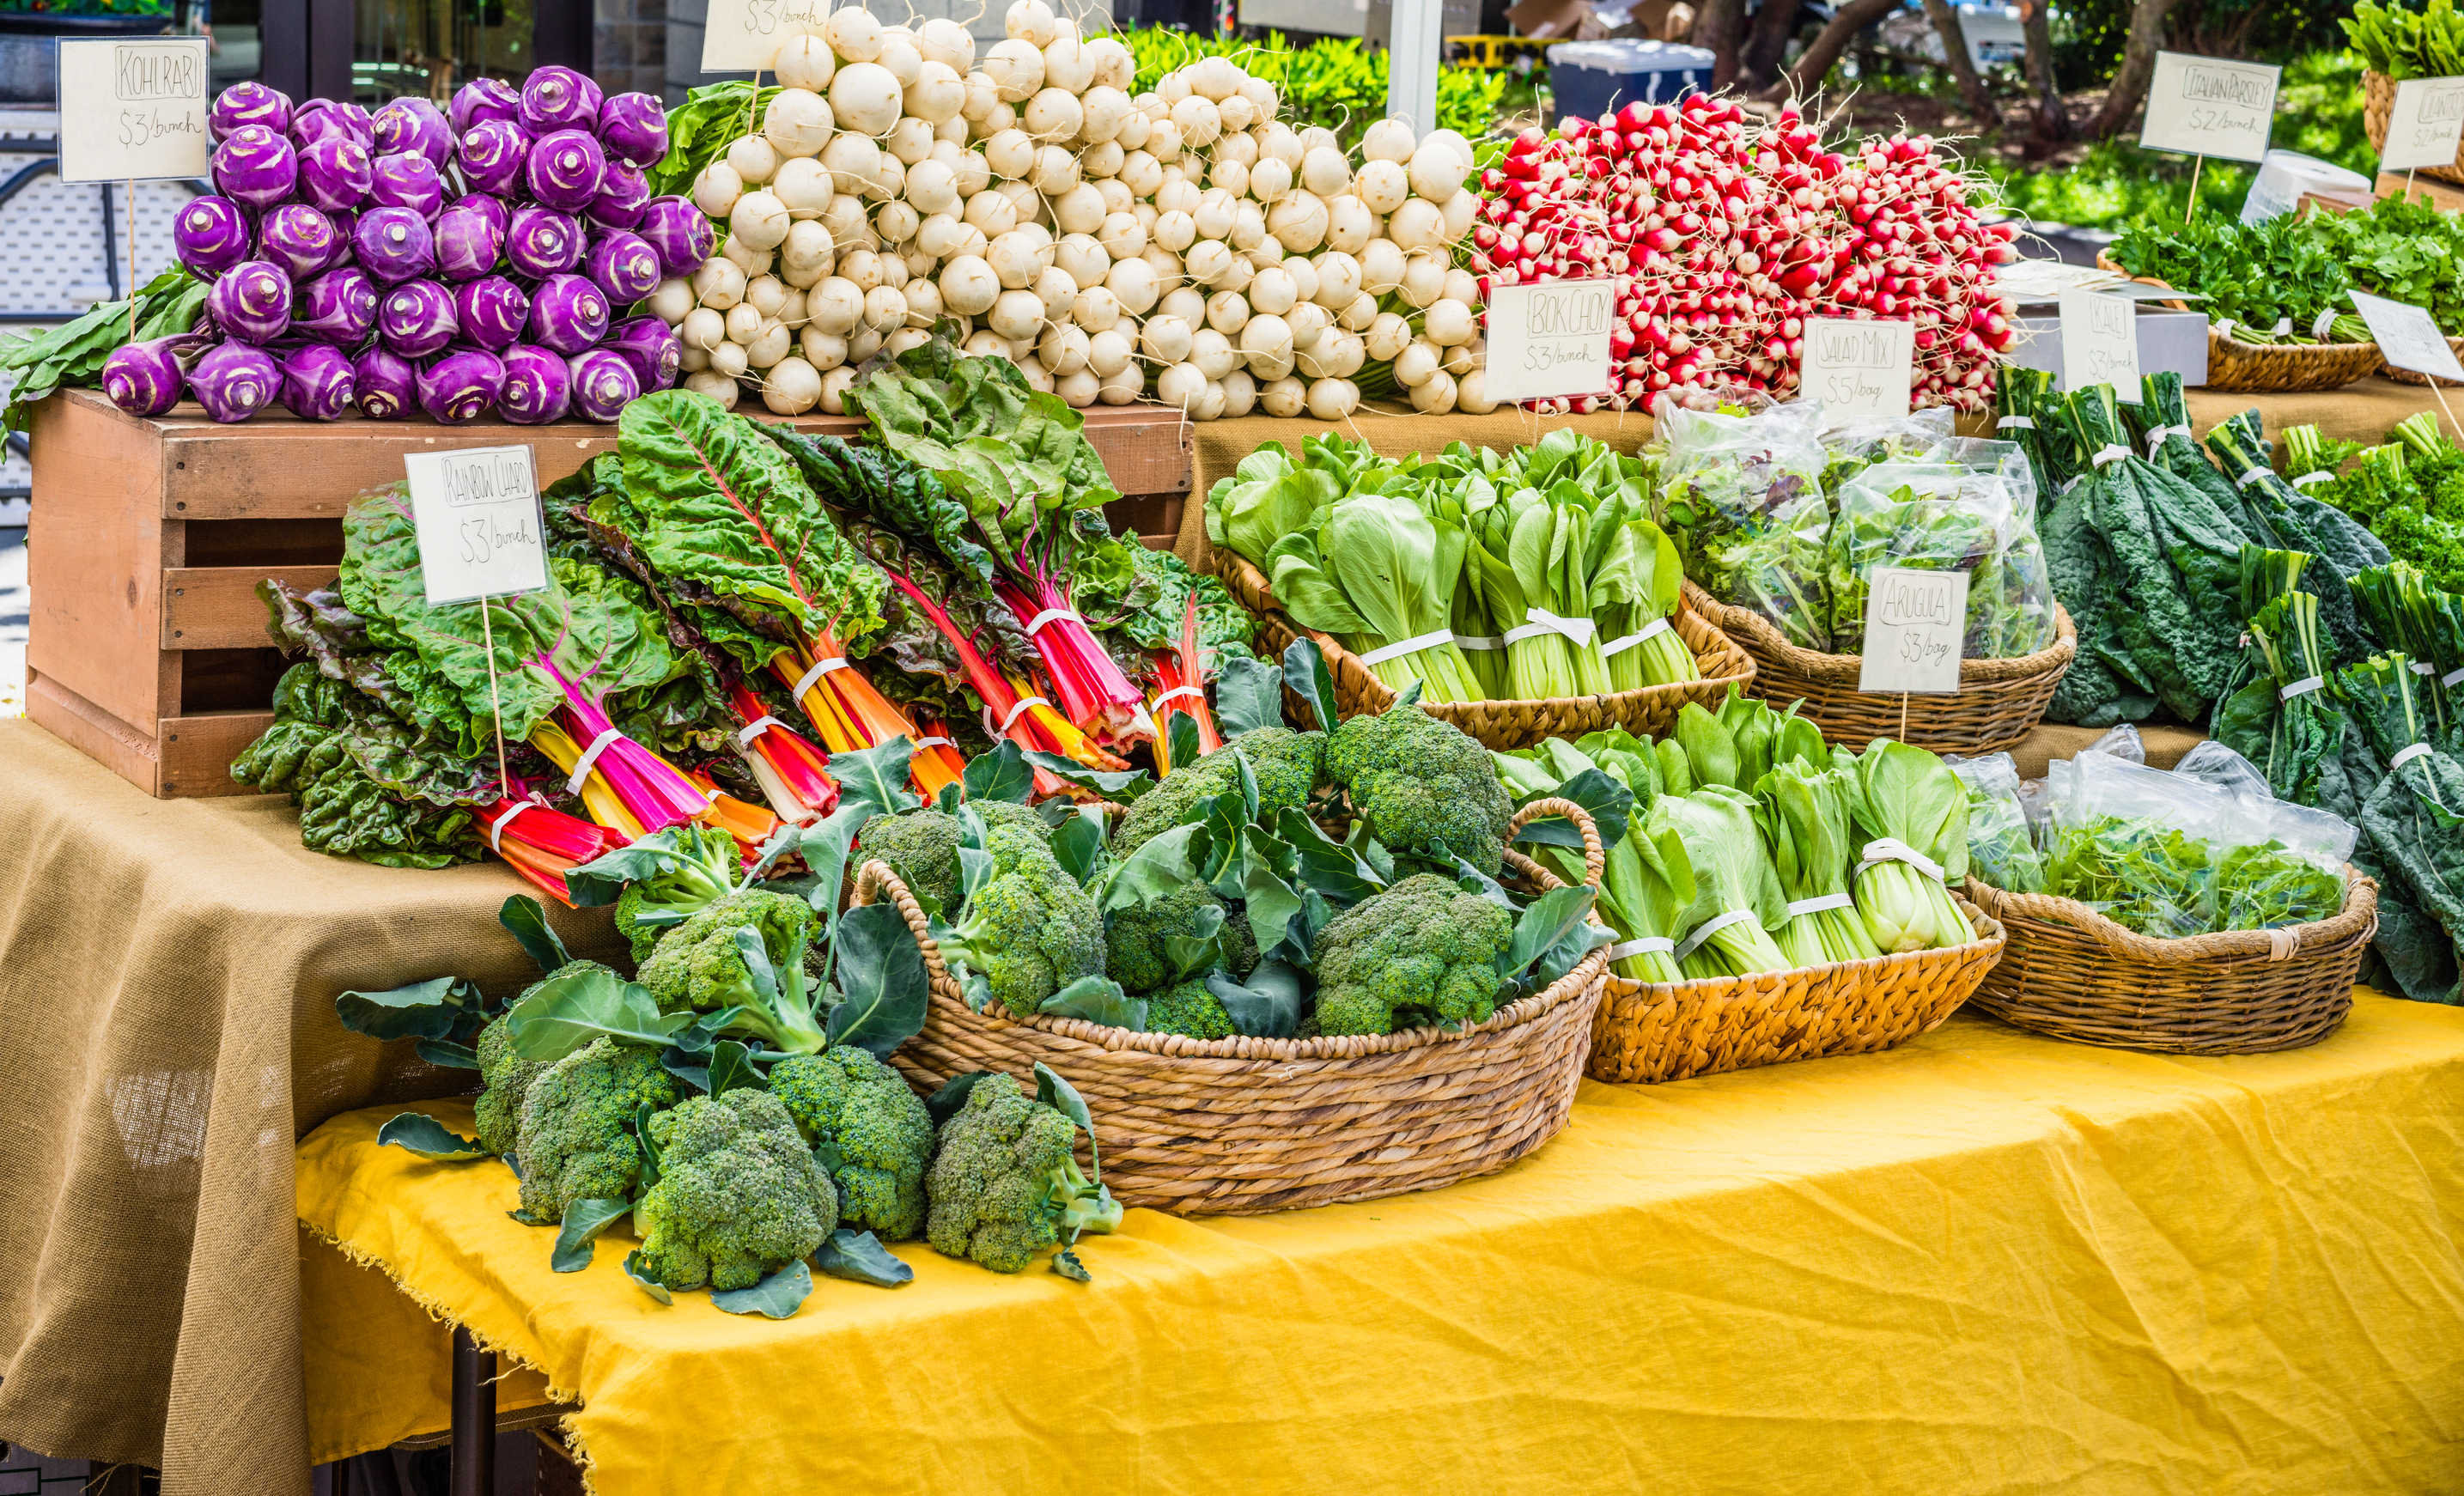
(1139, 957)
(575, 1135)
(739, 1195)
(1419, 782)
(508, 1076)
(1031, 930)
(920, 847)
(1189, 1008)
(1005, 1184)
(703, 868)
(846, 1099)
(1000, 813)
(1424, 946)
(1288, 766)
(700, 967)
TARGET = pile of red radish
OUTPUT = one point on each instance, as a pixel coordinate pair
(1725, 235)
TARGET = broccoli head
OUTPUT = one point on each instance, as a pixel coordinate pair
(920, 847)
(702, 867)
(1030, 929)
(1006, 1184)
(699, 966)
(1000, 813)
(1288, 765)
(1189, 1008)
(1424, 946)
(507, 1076)
(848, 1100)
(577, 1140)
(739, 1195)
(1420, 784)
(1140, 960)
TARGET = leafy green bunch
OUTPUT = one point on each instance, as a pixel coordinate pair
(72, 354)
(2138, 873)
(2404, 43)
(1338, 82)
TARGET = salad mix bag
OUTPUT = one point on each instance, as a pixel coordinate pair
(1741, 492)
(1966, 506)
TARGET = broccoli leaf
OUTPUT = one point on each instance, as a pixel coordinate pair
(881, 973)
(1471, 880)
(428, 1138)
(428, 1009)
(1610, 802)
(1066, 1262)
(756, 956)
(1248, 694)
(1180, 738)
(1055, 1091)
(585, 1220)
(649, 1286)
(1306, 674)
(1266, 1004)
(602, 881)
(1551, 917)
(1002, 774)
(825, 847)
(1325, 864)
(975, 869)
(859, 1257)
(527, 922)
(944, 1103)
(1160, 864)
(1272, 900)
(732, 1068)
(1078, 846)
(447, 1054)
(1110, 784)
(1098, 1000)
(875, 777)
(776, 1297)
(564, 1013)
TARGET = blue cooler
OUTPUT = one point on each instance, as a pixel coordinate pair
(1591, 78)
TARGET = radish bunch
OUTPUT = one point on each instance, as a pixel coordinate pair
(1725, 236)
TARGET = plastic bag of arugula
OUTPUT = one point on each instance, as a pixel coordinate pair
(1741, 494)
(2135, 844)
(2001, 846)
(1851, 447)
(1973, 511)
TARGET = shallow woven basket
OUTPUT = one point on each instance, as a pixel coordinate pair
(2070, 973)
(1666, 1031)
(1648, 713)
(2378, 106)
(1998, 701)
(1245, 1126)
(2233, 365)
(2408, 376)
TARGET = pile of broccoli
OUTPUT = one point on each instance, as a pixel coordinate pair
(1424, 950)
(922, 846)
(1289, 766)
(1424, 786)
(739, 1194)
(853, 1108)
(1030, 931)
(576, 1139)
(1005, 1184)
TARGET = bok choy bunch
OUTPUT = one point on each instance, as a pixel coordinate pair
(1912, 813)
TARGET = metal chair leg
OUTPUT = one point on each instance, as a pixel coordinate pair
(474, 1419)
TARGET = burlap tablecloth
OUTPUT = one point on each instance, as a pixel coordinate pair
(167, 973)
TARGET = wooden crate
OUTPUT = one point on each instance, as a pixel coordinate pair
(146, 645)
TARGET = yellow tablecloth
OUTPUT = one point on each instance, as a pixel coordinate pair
(1983, 1263)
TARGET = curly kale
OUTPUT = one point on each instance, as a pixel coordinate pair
(1139, 957)
(1030, 929)
(577, 1126)
(702, 967)
(1005, 1184)
(1424, 949)
(738, 1195)
(859, 1110)
(1422, 784)
(1287, 765)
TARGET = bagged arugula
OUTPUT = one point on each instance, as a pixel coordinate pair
(1973, 511)
(1851, 447)
(2001, 846)
(2134, 844)
(1741, 492)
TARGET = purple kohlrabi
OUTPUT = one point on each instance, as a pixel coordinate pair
(564, 171)
(339, 307)
(468, 240)
(559, 99)
(492, 153)
(211, 235)
(336, 173)
(602, 383)
(538, 387)
(417, 317)
(408, 179)
(394, 244)
(251, 302)
(299, 239)
(623, 191)
(249, 102)
(256, 167)
(234, 381)
(461, 385)
(492, 311)
(634, 128)
(494, 208)
(145, 378)
(411, 123)
(317, 381)
(651, 346)
(626, 267)
(483, 99)
(676, 228)
(384, 384)
(568, 314)
(543, 242)
(317, 119)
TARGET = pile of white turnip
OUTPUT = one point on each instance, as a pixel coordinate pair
(1181, 246)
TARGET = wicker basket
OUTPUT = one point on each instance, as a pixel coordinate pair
(2378, 106)
(2070, 973)
(1998, 702)
(1648, 713)
(1245, 1126)
(2233, 365)
(1668, 1031)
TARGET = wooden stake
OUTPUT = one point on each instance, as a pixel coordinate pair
(495, 705)
(132, 260)
(2193, 207)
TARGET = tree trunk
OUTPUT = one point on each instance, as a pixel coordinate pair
(2052, 122)
(1963, 68)
(1817, 60)
(1767, 42)
(1718, 28)
(2138, 66)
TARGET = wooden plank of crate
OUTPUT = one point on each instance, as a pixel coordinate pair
(96, 546)
(197, 752)
(96, 734)
(216, 607)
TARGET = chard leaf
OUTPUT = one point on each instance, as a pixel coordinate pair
(428, 1138)
(859, 1257)
(585, 1222)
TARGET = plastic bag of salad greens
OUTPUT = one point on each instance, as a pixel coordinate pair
(2001, 848)
(1853, 445)
(1972, 509)
(1741, 494)
(2040, 796)
(2293, 877)
(2136, 843)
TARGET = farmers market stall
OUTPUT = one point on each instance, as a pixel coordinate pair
(2007, 1263)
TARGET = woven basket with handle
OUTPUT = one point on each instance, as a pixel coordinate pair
(1648, 713)
(2070, 973)
(2378, 107)
(1244, 1125)
(1998, 703)
(1666, 1031)
(2236, 366)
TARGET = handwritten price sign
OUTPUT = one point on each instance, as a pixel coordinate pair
(1859, 369)
(744, 35)
(1550, 338)
(2101, 342)
(1915, 621)
(479, 526)
(2203, 107)
(133, 110)
(2423, 124)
